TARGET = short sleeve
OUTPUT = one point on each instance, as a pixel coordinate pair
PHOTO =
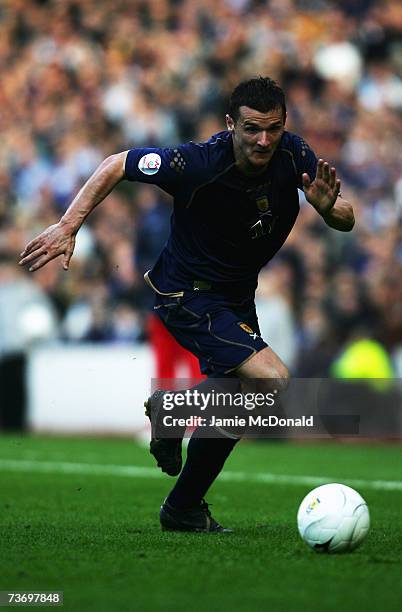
(164, 167)
(305, 160)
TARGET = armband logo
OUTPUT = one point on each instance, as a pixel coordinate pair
(150, 163)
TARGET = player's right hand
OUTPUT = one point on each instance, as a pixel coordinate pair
(55, 240)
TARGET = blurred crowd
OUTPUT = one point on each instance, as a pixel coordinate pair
(82, 79)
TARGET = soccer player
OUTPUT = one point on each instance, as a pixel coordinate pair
(235, 202)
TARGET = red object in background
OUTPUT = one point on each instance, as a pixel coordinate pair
(171, 359)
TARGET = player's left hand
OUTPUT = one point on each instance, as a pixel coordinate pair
(324, 190)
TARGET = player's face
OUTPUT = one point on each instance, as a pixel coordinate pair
(255, 137)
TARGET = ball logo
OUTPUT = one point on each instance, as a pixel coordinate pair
(313, 505)
(150, 163)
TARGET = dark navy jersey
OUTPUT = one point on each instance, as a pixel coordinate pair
(225, 225)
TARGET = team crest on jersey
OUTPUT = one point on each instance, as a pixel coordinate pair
(262, 203)
(150, 163)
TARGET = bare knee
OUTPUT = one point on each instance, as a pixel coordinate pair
(276, 378)
(266, 370)
(280, 378)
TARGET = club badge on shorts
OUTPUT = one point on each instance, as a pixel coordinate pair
(262, 203)
(248, 330)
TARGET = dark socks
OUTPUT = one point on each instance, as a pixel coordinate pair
(205, 460)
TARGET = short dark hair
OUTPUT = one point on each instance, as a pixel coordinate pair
(260, 93)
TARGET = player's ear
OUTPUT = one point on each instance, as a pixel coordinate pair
(230, 123)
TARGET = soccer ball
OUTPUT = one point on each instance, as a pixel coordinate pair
(333, 518)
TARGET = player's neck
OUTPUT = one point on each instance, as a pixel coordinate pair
(244, 167)
(249, 170)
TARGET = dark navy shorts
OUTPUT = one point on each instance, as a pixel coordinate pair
(222, 332)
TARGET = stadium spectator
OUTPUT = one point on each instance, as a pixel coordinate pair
(27, 317)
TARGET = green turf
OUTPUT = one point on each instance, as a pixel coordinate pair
(97, 537)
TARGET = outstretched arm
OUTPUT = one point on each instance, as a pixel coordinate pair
(59, 239)
(323, 195)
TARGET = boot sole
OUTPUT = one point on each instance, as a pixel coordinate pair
(158, 444)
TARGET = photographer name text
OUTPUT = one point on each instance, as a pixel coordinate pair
(251, 421)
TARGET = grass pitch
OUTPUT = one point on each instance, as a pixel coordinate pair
(76, 516)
